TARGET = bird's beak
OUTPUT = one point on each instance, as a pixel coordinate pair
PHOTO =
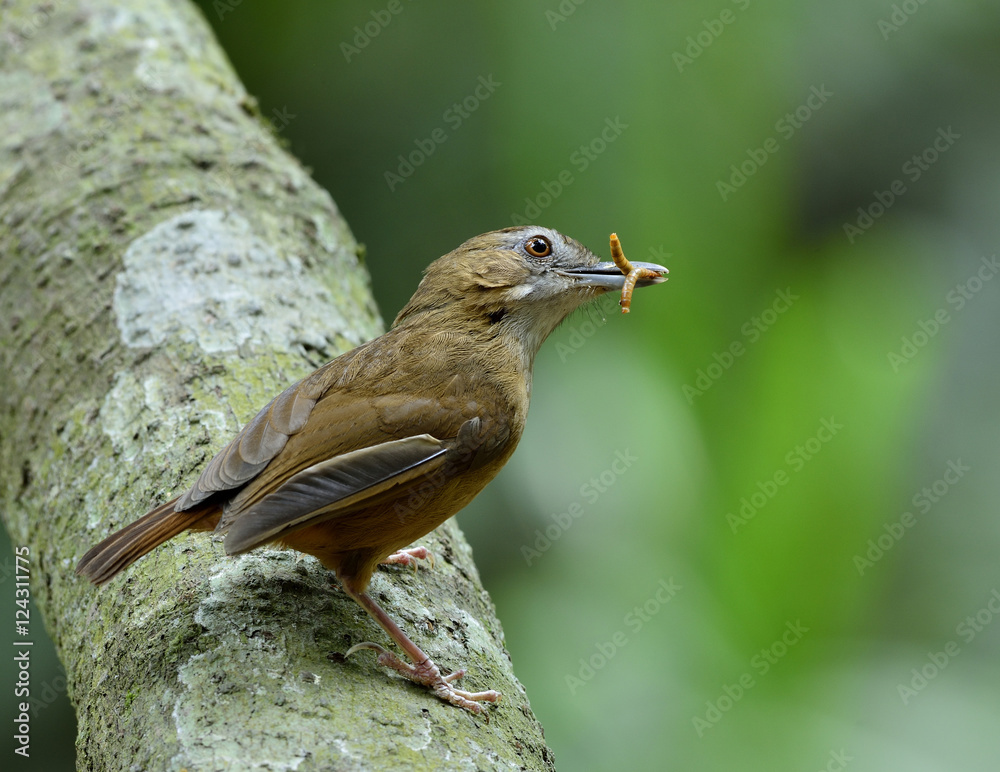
(609, 276)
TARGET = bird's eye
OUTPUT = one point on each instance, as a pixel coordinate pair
(538, 246)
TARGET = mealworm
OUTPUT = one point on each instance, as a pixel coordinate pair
(632, 274)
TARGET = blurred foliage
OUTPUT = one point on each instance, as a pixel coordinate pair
(653, 624)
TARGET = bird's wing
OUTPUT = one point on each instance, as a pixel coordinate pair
(356, 452)
(258, 442)
(342, 484)
(273, 446)
(324, 447)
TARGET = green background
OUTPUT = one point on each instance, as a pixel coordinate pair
(652, 625)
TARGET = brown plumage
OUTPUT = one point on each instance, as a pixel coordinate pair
(383, 444)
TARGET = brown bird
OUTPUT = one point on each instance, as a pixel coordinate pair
(383, 444)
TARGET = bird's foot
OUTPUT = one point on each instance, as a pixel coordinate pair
(427, 674)
(409, 557)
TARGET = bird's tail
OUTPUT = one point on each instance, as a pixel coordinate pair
(121, 549)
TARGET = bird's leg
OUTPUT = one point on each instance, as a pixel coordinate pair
(423, 671)
(409, 557)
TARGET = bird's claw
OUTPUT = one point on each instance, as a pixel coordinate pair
(409, 557)
(428, 674)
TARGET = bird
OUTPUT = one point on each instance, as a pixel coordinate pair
(379, 446)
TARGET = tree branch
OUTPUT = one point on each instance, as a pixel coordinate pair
(167, 269)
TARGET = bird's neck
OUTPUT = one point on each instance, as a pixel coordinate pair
(499, 345)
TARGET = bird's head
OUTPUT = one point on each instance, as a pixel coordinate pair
(522, 281)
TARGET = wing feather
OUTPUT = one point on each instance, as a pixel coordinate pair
(257, 444)
(335, 485)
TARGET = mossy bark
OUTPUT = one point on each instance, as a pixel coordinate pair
(166, 268)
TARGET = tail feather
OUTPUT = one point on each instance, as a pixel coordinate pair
(120, 550)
